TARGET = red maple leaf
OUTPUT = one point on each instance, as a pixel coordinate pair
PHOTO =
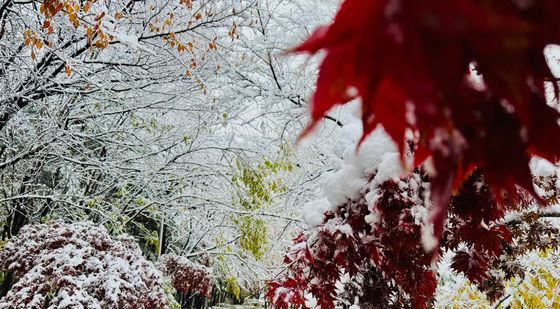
(472, 264)
(415, 56)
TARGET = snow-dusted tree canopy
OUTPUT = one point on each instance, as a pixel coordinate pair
(171, 121)
(176, 122)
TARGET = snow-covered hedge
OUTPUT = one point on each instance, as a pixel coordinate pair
(186, 275)
(78, 265)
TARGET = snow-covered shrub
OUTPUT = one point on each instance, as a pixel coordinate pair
(374, 225)
(371, 218)
(186, 275)
(79, 265)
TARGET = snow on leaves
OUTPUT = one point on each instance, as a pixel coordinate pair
(393, 244)
(78, 266)
(402, 56)
(379, 230)
(187, 276)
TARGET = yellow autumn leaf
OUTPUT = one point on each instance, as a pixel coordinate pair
(89, 33)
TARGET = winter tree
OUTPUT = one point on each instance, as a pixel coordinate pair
(170, 121)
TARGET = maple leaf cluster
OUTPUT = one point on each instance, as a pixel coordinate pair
(372, 291)
(380, 246)
(410, 62)
(187, 276)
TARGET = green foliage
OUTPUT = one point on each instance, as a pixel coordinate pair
(152, 239)
(253, 235)
(50, 294)
(140, 201)
(121, 192)
(117, 223)
(92, 203)
(136, 122)
(186, 140)
(170, 292)
(221, 265)
(2, 274)
(46, 219)
(151, 125)
(256, 185)
(233, 287)
(145, 228)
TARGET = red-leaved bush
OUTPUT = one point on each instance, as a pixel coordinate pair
(387, 234)
(78, 265)
(380, 244)
(187, 276)
(460, 86)
(409, 63)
